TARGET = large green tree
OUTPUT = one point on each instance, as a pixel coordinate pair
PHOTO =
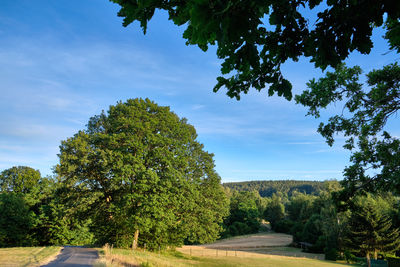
(275, 211)
(21, 179)
(244, 214)
(139, 170)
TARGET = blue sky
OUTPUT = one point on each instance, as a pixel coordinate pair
(62, 62)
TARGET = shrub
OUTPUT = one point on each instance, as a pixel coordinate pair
(331, 254)
(283, 226)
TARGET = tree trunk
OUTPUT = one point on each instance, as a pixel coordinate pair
(368, 260)
(135, 239)
(375, 254)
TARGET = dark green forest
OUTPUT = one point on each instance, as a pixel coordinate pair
(367, 226)
(269, 188)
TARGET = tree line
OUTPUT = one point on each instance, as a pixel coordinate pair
(368, 226)
(268, 188)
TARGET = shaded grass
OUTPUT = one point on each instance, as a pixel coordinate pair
(27, 256)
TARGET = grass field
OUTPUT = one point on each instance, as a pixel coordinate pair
(251, 250)
(254, 245)
(124, 257)
(27, 256)
(257, 252)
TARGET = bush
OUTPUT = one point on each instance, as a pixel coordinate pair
(349, 257)
(283, 226)
(237, 228)
(393, 262)
(296, 230)
(319, 246)
(331, 254)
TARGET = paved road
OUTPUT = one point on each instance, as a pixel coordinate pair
(74, 257)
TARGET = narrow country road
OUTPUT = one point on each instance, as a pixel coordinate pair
(74, 257)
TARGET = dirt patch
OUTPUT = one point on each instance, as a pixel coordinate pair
(253, 241)
(257, 245)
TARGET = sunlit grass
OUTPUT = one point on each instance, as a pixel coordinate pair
(27, 256)
(126, 257)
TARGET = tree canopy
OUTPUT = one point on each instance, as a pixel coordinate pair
(19, 179)
(254, 38)
(244, 214)
(366, 110)
(139, 169)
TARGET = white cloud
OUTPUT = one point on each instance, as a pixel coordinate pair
(304, 143)
(242, 126)
(197, 107)
(34, 132)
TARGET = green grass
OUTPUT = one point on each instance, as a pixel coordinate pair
(27, 256)
(175, 258)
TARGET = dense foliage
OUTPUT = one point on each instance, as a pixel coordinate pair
(31, 212)
(15, 220)
(370, 227)
(244, 214)
(268, 188)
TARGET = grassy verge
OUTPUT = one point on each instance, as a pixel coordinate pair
(128, 258)
(27, 256)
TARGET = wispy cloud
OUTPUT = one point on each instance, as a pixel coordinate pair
(267, 171)
(197, 107)
(31, 131)
(304, 143)
(242, 126)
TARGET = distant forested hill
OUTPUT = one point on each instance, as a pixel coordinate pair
(268, 188)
